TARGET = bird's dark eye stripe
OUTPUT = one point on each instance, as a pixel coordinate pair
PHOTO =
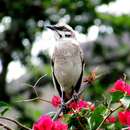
(62, 28)
(59, 28)
(67, 35)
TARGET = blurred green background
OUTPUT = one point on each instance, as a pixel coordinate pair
(104, 26)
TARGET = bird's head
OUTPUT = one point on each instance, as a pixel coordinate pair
(62, 30)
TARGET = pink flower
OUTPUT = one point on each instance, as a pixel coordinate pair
(73, 105)
(81, 104)
(44, 123)
(124, 117)
(56, 101)
(57, 125)
(128, 89)
(120, 85)
(110, 119)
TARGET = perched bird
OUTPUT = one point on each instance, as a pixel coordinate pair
(67, 61)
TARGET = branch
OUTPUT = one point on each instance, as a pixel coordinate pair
(34, 99)
(6, 127)
(16, 122)
(36, 93)
(111, 111)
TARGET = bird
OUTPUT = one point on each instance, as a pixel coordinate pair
(67, 61)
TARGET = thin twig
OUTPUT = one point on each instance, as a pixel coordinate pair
(34, 88)
(111, 111)
(39, 80)
(5, 126)
(57, 113)
(34, 99)
(16, 122)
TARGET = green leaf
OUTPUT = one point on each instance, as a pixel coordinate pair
(126, 101)
(116, 96)
(97, 116)
(4, 107)
(107, 99)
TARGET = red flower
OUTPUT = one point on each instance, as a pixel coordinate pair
(110, 119)
(81, 104)
(128, 89)
(120, 85)
(124, 117)
(57, 125)
(56, 101)
(73, 105)
(44, 123)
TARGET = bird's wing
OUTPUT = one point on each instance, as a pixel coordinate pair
(56, 84)
(78, 84)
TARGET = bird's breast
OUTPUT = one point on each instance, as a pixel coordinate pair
(67, 65)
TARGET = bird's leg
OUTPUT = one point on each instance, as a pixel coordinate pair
(63, 106)
(75, 96)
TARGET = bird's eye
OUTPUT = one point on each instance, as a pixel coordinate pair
(67, 35)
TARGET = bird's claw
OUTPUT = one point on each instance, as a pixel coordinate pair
(75, 96)
(63, 107)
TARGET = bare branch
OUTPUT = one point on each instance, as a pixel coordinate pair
(16, 122)
(4, 126)
(34, 99)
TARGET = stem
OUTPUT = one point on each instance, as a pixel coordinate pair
(16, 122)
(6, 127)
(57, 114)
(33, 99)
(111, 111)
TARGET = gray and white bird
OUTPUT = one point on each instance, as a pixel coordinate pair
(67, 61)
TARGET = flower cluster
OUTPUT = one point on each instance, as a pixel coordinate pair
(56, 101)
(81, 105)
(80, 112)
(124, 118)
(46, 123)
(75, 105)
(121, 85)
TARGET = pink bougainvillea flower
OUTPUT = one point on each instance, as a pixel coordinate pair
(44, 123)
(56, 101)
(110, 119)
(81, 105)
(124, 117)
(120, 85)
(57, 125)
(128, 89)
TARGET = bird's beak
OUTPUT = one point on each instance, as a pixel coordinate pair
(51, 27)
